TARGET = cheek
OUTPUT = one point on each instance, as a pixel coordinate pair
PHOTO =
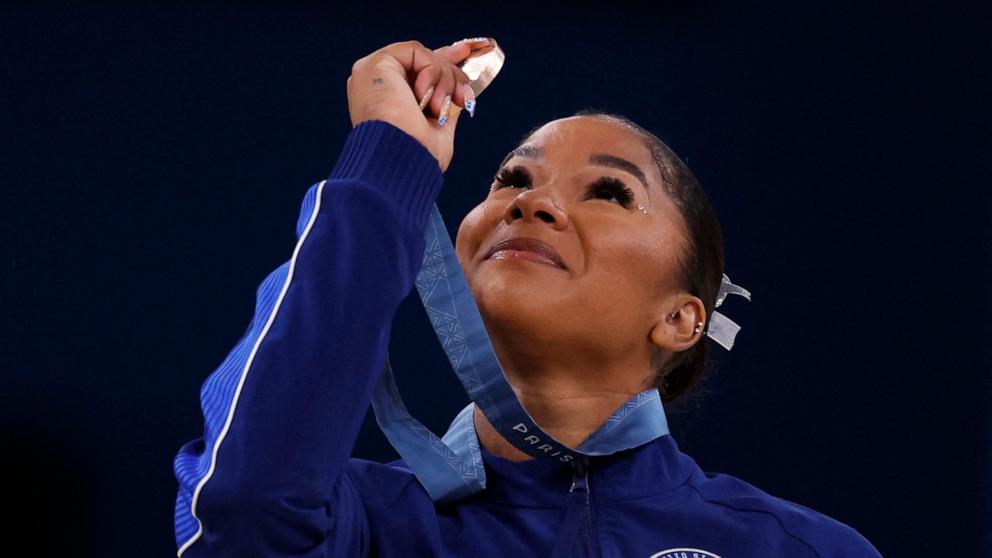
(475, 228)
(634, 264)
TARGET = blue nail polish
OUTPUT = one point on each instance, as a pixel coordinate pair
(470, 107)
(443, 120)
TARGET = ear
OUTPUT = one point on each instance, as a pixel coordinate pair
(674, 331)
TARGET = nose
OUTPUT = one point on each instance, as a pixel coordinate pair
(533, 205)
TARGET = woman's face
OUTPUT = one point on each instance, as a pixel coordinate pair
(583, 270)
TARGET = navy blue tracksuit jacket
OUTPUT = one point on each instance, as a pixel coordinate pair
(272, 476)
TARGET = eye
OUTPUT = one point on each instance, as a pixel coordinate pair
(516, 177)
(611, 189)
(605, 188)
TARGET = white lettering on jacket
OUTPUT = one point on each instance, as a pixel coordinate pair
(683, 553)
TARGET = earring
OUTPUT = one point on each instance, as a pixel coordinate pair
(697, 329)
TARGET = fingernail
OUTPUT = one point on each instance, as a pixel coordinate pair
(427, 97)
(445, 109)
(469, 99)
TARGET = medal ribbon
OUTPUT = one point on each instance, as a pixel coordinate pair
(451, 467)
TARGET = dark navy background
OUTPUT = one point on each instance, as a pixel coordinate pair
(154, 161)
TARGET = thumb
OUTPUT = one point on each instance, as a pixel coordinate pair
(455, 53)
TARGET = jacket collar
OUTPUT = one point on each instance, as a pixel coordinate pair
(650, 469)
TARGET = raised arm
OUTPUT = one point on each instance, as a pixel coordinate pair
(283, 410)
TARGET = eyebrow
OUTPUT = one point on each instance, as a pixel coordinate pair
(620, 163)
(599, 159)
(527, 151)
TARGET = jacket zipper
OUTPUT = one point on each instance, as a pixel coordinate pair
(576, 527)
(580, 491)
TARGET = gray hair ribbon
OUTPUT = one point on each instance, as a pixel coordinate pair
(722, 329)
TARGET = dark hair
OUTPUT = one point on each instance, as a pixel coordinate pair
(701, 258)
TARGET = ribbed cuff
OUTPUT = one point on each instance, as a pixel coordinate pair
(389, 160)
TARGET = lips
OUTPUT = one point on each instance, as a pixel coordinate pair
(526, 249)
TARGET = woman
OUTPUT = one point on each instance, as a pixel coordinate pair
(595, 262)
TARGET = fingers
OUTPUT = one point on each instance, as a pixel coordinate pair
(425, 85)
(441, 85)
(413, 55)
(467, 96)
(438, 83)
(455, 53)
(452, 120)
(443, 91)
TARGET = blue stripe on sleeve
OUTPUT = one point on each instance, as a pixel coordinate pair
(194, 464)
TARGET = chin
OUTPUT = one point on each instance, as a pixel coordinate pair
(515, 299)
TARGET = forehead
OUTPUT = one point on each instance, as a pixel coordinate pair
(580, 136)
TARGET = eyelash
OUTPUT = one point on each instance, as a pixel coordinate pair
(518, 176)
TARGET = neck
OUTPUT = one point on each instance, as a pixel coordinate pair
(566, 408)
(568, 386)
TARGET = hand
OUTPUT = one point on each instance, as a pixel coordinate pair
(390, 84)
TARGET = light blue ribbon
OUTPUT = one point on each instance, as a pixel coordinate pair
(452, 468)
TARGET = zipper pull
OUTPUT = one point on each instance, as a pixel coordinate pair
(576, 510)
(580, 477)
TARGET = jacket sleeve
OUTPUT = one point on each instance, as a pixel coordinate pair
(282, 411)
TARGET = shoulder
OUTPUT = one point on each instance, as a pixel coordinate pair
(824, 536)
